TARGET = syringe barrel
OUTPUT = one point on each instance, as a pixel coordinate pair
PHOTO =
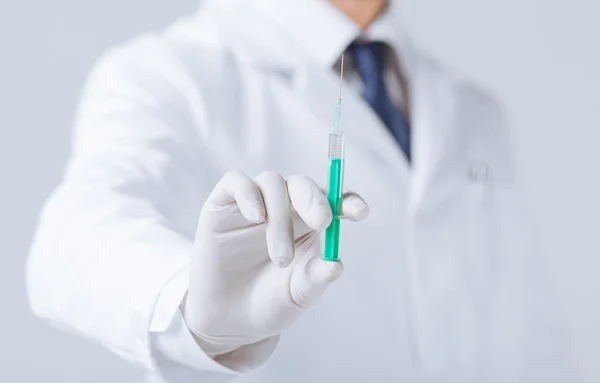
(334, 196)
(336, 145)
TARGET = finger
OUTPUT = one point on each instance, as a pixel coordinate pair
(236, 187)
(279, 228)
(309, 202)
(354, 207)
(310, 280)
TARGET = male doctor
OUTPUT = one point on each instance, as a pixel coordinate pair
(185, 235)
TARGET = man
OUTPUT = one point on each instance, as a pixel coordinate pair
(185, 234)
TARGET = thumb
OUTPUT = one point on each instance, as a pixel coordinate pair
(311, 279)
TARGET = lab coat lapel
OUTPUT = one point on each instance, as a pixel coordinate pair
(433, 109)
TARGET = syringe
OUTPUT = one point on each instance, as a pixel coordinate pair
(336, 179)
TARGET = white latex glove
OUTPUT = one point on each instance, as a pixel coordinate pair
(257, 263)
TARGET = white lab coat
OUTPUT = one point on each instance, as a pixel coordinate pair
(441, 283)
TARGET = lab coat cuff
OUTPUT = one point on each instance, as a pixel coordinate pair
(169, 332)
(167, 305)
(178, 345)
(173, 339)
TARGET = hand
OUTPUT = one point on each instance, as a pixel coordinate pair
(257, 263)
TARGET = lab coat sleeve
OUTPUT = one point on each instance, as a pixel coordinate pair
(119, 228)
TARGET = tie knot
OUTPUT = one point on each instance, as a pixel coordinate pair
(373, 47)
(368, 58)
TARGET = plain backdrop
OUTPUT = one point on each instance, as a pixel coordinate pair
(542, 57)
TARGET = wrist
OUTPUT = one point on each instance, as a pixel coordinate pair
(238, 358)
(210, 346)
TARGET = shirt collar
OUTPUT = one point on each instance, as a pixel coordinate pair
(388, 28)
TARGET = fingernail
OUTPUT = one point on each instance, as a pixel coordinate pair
(282, 263)
(322, 272)
(356, 209)
(257, 214)
(334, 270)
(284, 251)
(362, 212)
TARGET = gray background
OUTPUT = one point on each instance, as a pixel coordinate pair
(540, 56)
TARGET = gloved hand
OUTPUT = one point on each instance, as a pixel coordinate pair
(257, 263)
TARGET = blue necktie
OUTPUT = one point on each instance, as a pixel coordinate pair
(368, 61)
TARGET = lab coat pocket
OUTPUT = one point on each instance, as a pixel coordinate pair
(479, 231)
